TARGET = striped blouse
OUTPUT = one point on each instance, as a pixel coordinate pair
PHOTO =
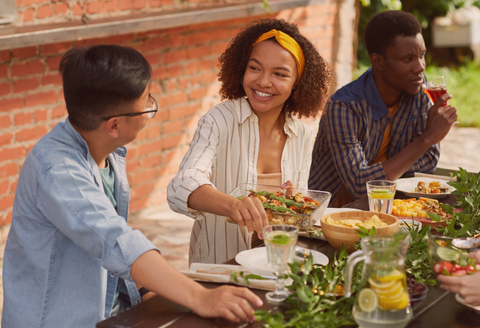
(351, 132)
(223, 153)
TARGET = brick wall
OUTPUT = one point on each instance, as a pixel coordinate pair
(184, 62)
(36, 12)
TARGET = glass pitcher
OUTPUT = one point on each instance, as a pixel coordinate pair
(382, 298)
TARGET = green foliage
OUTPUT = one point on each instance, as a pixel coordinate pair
(246, 277)
(313, 302)
(417, 264)
(365, 233)
(467, 193)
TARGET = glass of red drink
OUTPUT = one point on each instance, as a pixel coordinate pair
(435, 89)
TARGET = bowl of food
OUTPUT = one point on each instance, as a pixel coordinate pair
(341, 227)
(293, 206)
(417, 292)
(449, 260)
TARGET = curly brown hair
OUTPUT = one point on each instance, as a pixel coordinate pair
(310, 93)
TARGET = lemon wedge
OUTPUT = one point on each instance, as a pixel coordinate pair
(367, 300)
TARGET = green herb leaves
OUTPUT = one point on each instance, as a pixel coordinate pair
(317, 296)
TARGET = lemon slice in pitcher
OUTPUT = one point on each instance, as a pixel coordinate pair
(367, 300)
(376, 284)
(393, 276)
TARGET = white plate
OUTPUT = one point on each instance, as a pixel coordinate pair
(257, 257)
(408, 185)
(460, 300)
(331, 210)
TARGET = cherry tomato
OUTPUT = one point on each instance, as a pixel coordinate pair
(443, 267)
(459, 273)
(469, 268)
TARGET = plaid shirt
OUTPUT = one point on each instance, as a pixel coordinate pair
(351, 132)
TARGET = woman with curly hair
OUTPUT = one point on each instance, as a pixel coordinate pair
(270, 75)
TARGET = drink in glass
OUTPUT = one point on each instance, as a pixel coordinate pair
(380, 195)
(280, 242)
(435, 89)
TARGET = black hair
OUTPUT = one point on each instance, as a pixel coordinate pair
(384, 27)
(96, 80)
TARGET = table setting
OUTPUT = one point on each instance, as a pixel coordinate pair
(308, 270)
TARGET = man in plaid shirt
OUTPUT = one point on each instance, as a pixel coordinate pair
(381, 126)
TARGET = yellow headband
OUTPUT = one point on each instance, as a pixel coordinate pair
(289, 44)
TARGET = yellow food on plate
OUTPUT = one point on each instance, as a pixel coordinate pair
(408, 207)
(418, 208)
(374, 221)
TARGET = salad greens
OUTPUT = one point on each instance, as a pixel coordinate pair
(286, 201)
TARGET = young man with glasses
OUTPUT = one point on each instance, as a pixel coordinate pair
(70, 259)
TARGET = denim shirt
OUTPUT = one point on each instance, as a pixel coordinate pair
(67, 245)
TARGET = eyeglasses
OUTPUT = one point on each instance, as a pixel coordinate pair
(151, 110)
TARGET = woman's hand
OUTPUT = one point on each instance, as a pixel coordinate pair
(289, 189)
(249, 211)
(467, 286)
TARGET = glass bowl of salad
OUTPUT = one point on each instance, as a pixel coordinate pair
(448, 260)
(293, 206)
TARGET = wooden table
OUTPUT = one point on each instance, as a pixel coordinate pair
(438, 310)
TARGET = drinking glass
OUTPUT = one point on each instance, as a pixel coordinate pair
(449, 260)
(435, 89)
(380, 195)
(280, 242)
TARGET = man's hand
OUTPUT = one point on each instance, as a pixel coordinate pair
(153, 271)
(232, 303)
(440, 120)
(467, 286)
(249, 211)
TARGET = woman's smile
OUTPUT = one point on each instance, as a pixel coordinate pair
(269, 77)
